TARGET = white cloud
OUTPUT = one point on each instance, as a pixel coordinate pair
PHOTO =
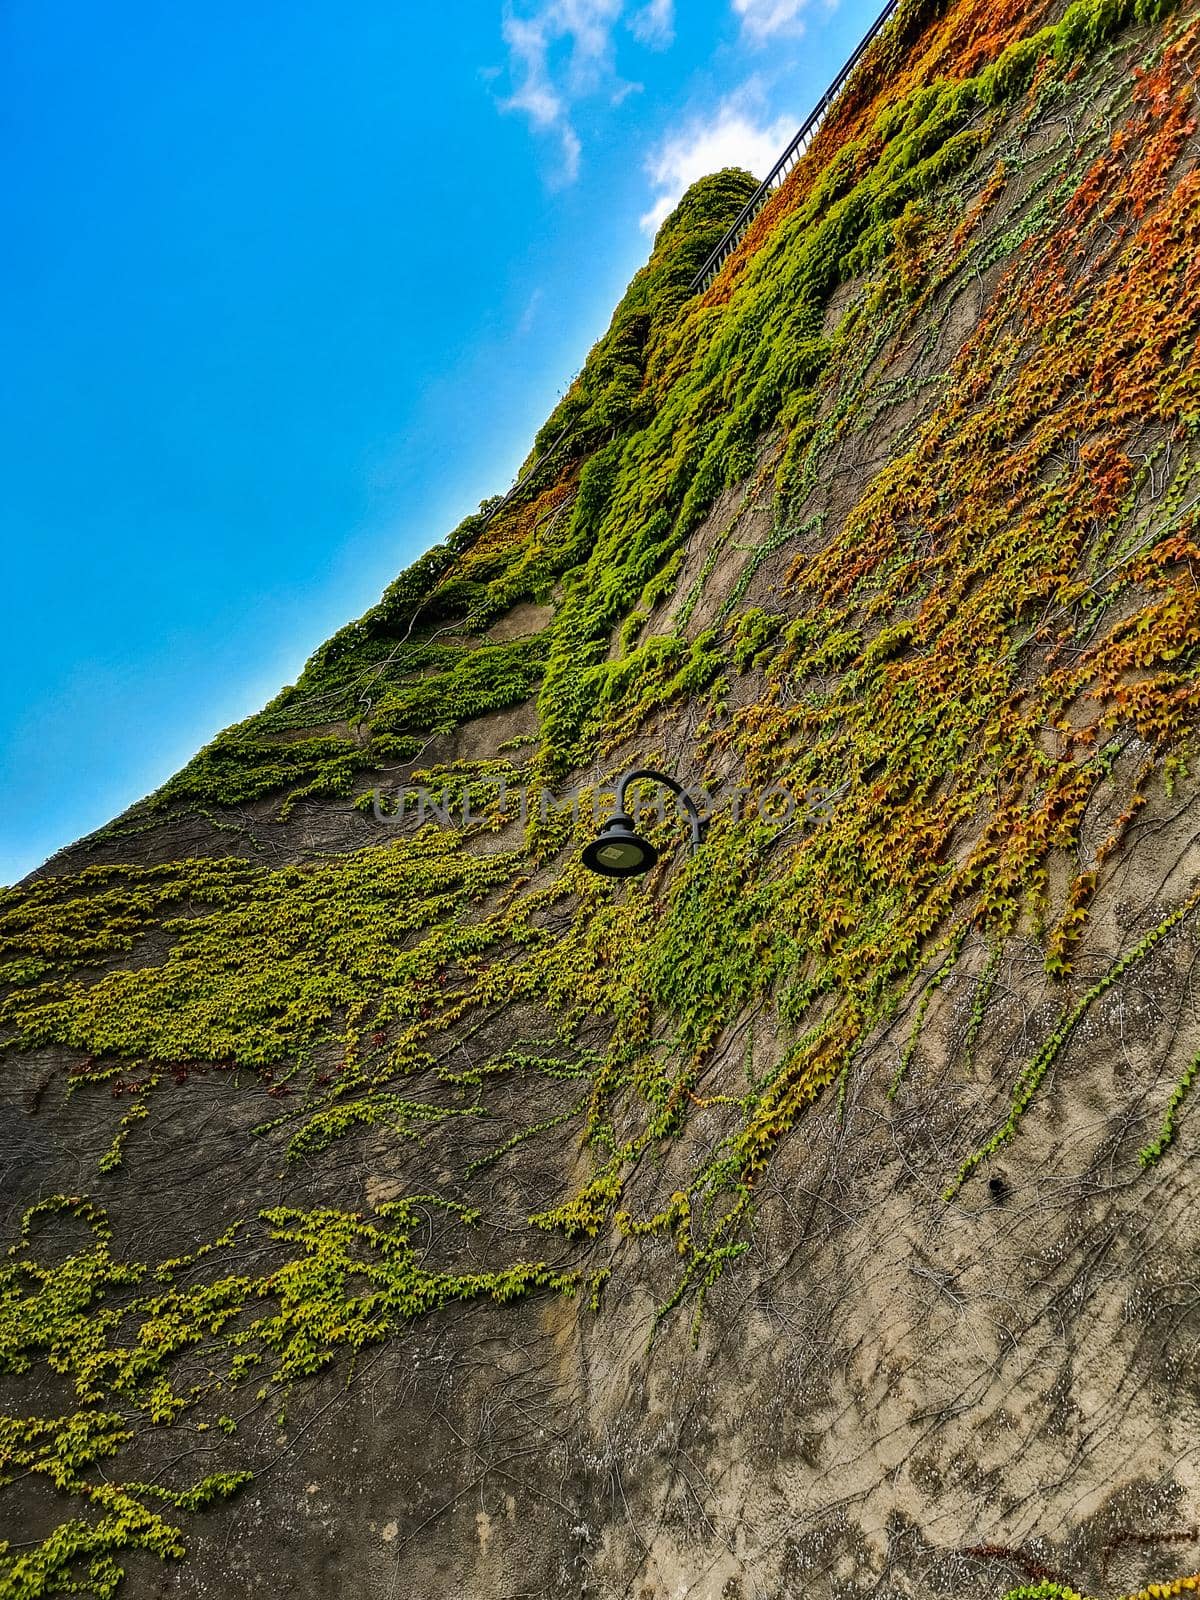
(530, 313)
(561, 51)
(770, 19)
(558, 52)
(654, 24)
(735, 137)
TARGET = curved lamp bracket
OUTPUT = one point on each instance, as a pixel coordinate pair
(677, 789)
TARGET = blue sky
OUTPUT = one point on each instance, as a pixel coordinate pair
(287, 289)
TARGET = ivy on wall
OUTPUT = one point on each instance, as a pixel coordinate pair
(995, 645)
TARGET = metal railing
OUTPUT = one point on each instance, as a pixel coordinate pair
(733, 236)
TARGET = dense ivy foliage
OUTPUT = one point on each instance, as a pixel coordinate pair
(983, 666)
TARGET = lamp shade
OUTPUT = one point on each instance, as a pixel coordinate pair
(618, 852)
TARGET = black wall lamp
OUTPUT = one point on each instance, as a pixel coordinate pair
(619, 852)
